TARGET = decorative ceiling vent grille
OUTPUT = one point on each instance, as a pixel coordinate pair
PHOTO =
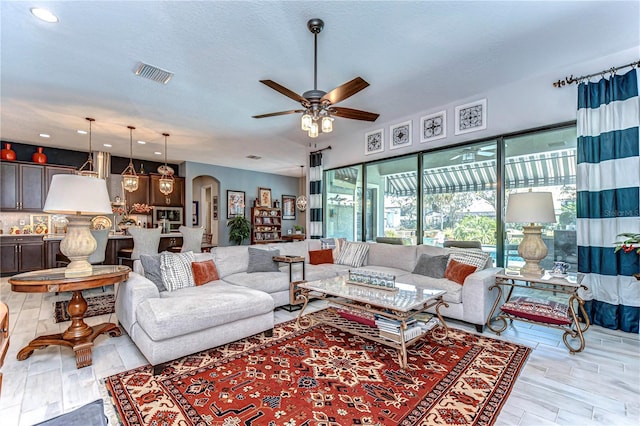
(253, 157)
(154, 73)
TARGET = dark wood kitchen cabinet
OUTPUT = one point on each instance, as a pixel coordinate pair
(175, 199)
(21, 254)
(23, 187)
(51, 171)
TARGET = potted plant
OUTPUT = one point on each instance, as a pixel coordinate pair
(239, 229)
(298, 229)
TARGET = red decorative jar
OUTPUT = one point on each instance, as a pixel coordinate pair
(7, 153)
(39, 156)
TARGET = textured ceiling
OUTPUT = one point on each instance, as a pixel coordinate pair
(416, 55)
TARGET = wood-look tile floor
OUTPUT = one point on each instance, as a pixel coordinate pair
(599, 386)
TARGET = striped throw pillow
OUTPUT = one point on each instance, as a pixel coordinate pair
(176, 270)
(353, 254)
(471, 257)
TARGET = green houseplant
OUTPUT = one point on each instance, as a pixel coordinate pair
(239, 229)
(298, 229)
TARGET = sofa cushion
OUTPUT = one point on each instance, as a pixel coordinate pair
(197, 308)
(353, 254)
(269, 282)
(296, 248)
(145, 241)
(458, 271)
(191, 239)
(262, 260)
(453, 290)
(431, 266)
(322, 271)
(231, 260)
(393, 256)
(204, 272)
(317, 257)
(176, 270)
(151, 265)
(471, 257)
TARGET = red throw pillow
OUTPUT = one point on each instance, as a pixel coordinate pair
(204, 272)
(457, 271)
(317, 257)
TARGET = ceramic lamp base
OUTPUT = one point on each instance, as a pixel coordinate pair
(532, 249)
(78, 245)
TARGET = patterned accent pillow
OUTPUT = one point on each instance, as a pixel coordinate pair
(151, 266)
(191, 239)
(471, 257)
(176, 270)
(204, 272)
(458, 272)
(353, 254)
(538, 310)
(262, 260)
(317, 257)
(431, 266)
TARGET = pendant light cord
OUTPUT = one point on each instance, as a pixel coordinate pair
(131, 145)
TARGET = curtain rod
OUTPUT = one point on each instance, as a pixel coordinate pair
(612, 70)
(320, 150)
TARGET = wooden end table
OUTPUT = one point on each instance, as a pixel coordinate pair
(295, 301)
(79, 336)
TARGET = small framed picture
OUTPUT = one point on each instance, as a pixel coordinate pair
(288, 207)
(400, 135)
(264, 195)
(235, 204)
(196, 214)
(471, 117)
(40, 223)
(433, 126)
(374, 142)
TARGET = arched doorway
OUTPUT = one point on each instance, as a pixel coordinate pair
(206, 208)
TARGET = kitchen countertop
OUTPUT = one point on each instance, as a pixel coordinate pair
(53, 237)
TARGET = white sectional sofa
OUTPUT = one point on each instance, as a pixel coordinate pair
(166, 325)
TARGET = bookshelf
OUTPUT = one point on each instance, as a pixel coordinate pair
(266, 225)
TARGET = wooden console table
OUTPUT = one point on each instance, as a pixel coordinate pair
(79, 336)
(512, 309)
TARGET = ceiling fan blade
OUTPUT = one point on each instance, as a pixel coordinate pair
(354, 114)
(288, 93)
(273, 114)
(344, 91)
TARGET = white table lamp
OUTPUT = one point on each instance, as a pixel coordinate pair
(80, 198)
(531, 208)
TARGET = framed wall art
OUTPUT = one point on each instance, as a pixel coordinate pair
(374, 142)
(264, 197)
(433, 127)
(196, 213)
(288, 207)
(471, 117)
(400, 135)
(40, 223)
(235, 204)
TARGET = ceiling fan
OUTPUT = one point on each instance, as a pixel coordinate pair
(468, 155)
(318, 105)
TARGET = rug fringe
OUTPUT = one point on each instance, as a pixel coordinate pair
(109, 405)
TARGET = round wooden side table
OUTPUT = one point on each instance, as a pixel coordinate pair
(79, 336)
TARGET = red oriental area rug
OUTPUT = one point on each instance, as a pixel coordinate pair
(321, 376)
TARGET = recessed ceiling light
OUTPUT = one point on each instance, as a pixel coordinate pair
(82, 132)
(108, 145)
(44, 15)
(141, 142)
(157, 153)
(44, 135)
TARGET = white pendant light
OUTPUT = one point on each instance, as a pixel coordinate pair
(166, 181)
(129, 176)
(89, 163)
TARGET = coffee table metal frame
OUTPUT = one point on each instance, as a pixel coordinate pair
(79, 336)
(346, 294)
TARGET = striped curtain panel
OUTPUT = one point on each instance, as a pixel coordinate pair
(608, 203)
(315, 195)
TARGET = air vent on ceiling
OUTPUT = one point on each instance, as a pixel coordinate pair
(153, 73)
(253, 157)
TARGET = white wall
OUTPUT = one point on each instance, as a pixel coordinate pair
(527, 104)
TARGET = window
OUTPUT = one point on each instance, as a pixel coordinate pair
(342, 203)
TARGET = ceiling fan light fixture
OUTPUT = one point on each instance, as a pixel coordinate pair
(129, 176)
(327, 124)
(306, 121)
(313, 130)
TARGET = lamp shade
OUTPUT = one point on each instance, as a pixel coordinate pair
(530, 207)
(77, 195)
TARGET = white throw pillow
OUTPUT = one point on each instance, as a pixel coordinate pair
(353, 254)
(176, 271)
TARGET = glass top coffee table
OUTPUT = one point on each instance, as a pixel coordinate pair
(399, 307)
